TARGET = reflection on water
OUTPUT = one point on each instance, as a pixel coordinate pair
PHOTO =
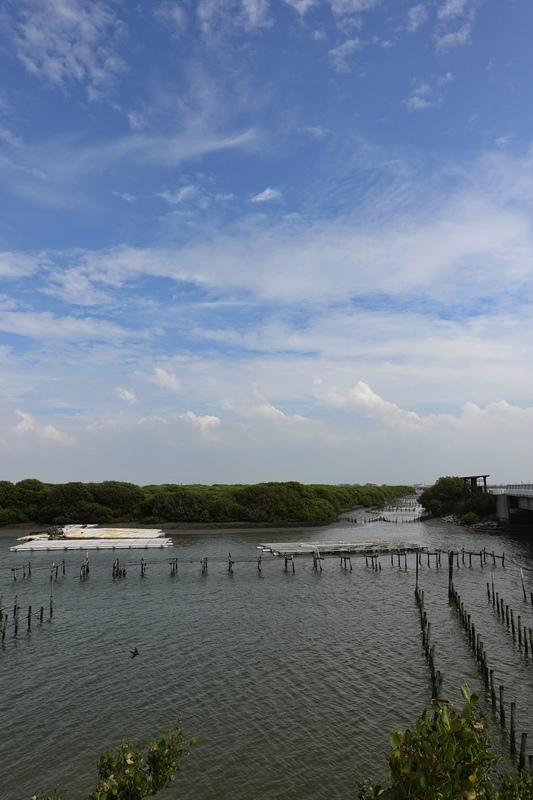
(290, 682)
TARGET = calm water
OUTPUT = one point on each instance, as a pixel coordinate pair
(290, 682)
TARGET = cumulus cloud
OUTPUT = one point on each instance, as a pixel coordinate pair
(205, 424)
(473, 418)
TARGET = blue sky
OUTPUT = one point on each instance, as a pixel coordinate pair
(249, 240)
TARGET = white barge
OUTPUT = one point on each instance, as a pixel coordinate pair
(91, 537)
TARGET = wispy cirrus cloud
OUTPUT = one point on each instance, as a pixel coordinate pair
(416, 17)
(168, 380)
(173, 15)
(455, 23)
(128, 395)
(427, 94)
(69, 42)
(48, 326)
(340, 55)
(216, 16)
(266, 195)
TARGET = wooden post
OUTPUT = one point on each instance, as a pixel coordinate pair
(523, 587)
(502, 706)
(41, 615)
(29, 618)
(512, 622)
(259, 563)
(230, 563)
(522, 757)
(416, 577)
(519, 627)
(4, 628)
(450, 574)
(513, 729)
(492, 692)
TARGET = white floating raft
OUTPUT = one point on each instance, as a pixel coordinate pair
(91, 537)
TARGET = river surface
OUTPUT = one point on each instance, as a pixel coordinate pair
(291, 683)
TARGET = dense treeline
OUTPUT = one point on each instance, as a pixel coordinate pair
(450, 495)
(31, 500)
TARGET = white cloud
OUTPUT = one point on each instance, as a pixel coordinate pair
(69, 41)
(173, 15)
(264, 196)
(317, 131)
(301, 6)
(205, 423)
(453, 8)
(341, 54)
(18, 265)
(167, 379)
(416, 16)
(215, 16)
(173, 198)
(456, 20)
(73, 286)
(126, 394)
(29, 424)
(475, 240)
(473, 418)
(48, 326)
(426, 95)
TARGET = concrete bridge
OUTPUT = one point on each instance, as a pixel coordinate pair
(514, 504)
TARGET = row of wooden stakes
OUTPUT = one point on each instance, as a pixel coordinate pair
(478, 649)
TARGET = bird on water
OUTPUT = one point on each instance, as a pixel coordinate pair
(134, 653)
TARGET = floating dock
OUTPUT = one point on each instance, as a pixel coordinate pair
(91, 537)
(287, 549)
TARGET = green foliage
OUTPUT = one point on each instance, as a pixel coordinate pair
(116, 501)
(517, 787)
(450, 496)
(443, 497)
(446, 755)
(470, 518)
(136, 770)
